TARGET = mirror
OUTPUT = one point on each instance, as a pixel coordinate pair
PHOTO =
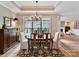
(7, 21)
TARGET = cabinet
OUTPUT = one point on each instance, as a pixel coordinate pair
(8, 37)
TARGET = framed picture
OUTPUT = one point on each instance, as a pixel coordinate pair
(7, 21)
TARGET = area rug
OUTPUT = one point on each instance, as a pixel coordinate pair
(40, 53)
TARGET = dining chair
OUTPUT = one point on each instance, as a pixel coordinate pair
(23, 41)
(56, 44)
(56, 41)
(35, 40)
(47, 41)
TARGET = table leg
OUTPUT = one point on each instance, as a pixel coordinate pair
(28, 45)
(40, 43)
(51, 43)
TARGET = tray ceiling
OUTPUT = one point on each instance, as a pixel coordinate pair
(68, 9)
(33, 3)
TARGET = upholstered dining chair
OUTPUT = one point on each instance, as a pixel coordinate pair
(23, 41)
(56, 40)
(35, 40)
(47, 36)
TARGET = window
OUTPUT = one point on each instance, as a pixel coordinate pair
(32, 26)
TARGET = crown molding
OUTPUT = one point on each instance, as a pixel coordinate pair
(40, 8)
(42, 14)
(12, 7)
(7, 7)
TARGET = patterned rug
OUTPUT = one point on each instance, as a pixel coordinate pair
(40, 53)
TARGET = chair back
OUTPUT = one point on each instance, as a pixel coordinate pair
(46, 39)
(34, 39)
(23, 41)
(56, 37)
(22, 37)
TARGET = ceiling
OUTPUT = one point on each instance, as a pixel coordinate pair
(25, 6)
(33, 3)
(67, 9)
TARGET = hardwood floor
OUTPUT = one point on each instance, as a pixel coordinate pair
(12, 52)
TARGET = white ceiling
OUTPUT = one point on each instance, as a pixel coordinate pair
(16, 5)
(33, 3)
(67, 9)
(10, 6)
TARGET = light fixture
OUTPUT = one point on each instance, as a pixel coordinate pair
(36, 17)
(15, 19)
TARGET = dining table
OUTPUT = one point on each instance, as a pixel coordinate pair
(40, 40)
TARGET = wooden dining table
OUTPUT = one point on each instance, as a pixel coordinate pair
(40, 40)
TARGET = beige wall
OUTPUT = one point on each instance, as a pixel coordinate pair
(20, 23)
(54, 24)
(5, 12)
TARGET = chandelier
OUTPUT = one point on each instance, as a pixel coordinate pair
(36, 17)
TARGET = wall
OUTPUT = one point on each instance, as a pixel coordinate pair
(55, 24)
(5, 12)
(20, 23)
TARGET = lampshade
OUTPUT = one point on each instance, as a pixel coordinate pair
(15, 18)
